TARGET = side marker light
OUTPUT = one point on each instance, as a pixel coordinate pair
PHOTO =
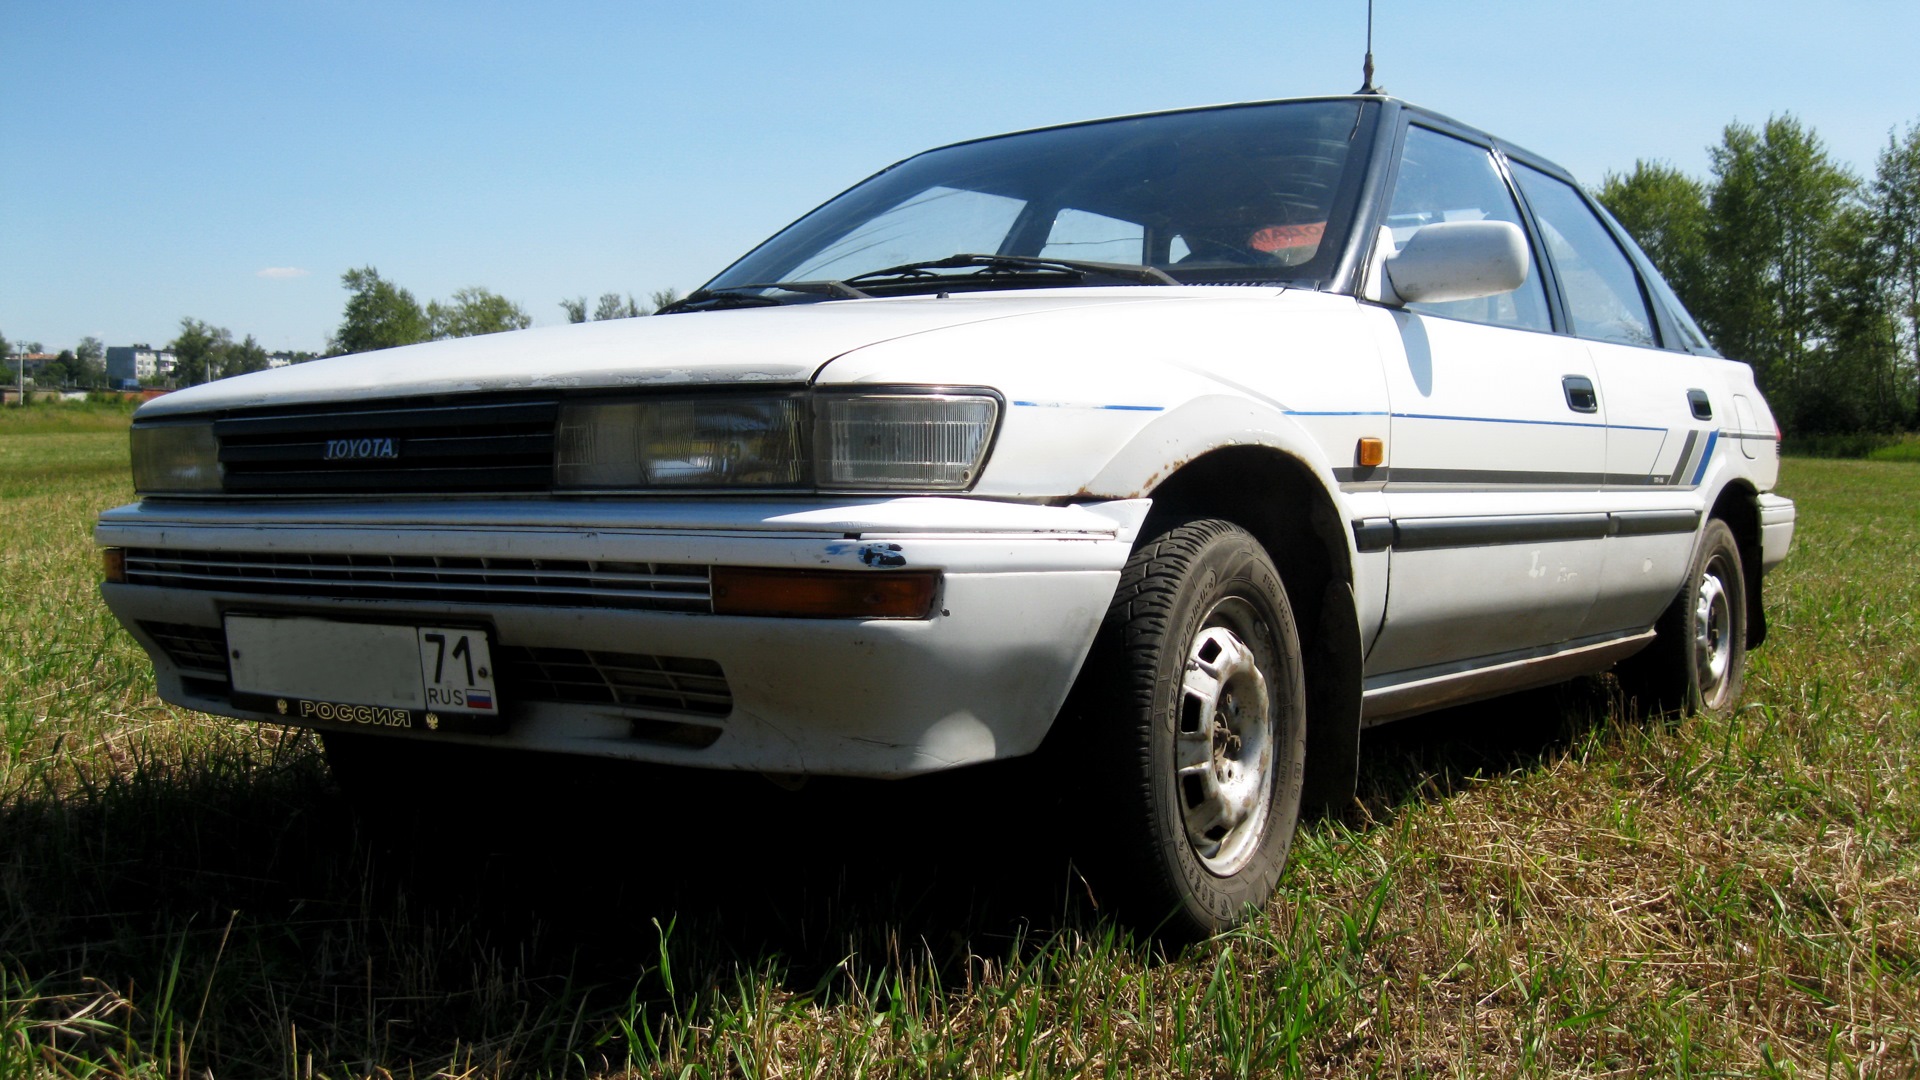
(824, 594)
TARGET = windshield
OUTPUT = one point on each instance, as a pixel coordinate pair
(1245, 193)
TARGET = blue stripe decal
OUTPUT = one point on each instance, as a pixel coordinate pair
(1363, 412)
(1078, 405)
(1705, 458)
(1537, 423)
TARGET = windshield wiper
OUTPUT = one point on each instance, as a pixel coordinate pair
(1150, 275)
(744, 296)
(747, 295)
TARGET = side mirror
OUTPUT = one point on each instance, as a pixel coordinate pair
(1459, 260)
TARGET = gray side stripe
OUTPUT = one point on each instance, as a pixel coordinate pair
(1422, 533)
(1681, 467)
(1426, 534)
(1654, 522)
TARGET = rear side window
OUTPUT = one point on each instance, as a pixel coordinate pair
(1602, 290)
(1447, 179)
(1692, 338)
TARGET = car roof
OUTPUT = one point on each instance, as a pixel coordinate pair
(1390, 104)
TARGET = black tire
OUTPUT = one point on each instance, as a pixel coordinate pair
(1698, 659)
(1196, 721)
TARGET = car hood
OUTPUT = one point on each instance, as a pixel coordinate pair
(696, 348)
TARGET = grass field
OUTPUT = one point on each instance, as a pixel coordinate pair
(1534, 887)
(67, 417)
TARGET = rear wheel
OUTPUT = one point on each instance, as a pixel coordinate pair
(1698, 660)
(1200, 705)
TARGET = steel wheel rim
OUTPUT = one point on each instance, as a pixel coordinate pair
(1712, 635)
(1224, 739)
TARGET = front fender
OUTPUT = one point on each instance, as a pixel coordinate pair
(1198, 427)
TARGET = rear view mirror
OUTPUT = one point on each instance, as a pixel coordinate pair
(1459, 260)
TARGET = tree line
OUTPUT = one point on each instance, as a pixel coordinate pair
(1795, 265)
(84, 365)
(379, 314)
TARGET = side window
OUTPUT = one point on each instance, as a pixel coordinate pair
(1602, 290)
(1447, 179)
(1692, 338)
(1081, 234)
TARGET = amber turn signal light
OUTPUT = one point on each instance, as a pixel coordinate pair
(1370, 453)
(824, 594)
(113, 563)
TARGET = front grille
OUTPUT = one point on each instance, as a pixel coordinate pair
(443, 449)
(196, 650)
(634, 680)
(543, 582)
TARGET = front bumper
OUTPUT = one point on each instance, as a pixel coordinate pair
(1023, 590)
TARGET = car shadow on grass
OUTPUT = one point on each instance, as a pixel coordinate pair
(1432, 757)
(530, 913)
(534, 911)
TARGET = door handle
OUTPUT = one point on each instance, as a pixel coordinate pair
(1581, 396)
(1697, 401)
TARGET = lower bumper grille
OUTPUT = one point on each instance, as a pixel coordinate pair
(198, 651)
(590, 677)
(667, 684)
(543, 582)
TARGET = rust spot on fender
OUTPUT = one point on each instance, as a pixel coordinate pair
(1146, 487)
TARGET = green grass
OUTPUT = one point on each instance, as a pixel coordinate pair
(1538, 886)
(66, 417)
(1906, 449)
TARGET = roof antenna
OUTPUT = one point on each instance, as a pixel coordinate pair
(1366, 70)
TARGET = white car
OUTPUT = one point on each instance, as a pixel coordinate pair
(1194, 442)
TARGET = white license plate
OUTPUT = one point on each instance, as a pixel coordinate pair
(429, 669)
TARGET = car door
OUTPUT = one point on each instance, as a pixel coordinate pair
(1665, 407)
(1497, 448)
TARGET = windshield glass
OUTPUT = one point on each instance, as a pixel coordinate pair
(1244, 193)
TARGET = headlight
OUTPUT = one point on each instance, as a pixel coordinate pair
(730, 441)
(920, 441)
(175, 459)
(890, 440)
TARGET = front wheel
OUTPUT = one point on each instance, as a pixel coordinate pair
(1698, 660)
(1200, 703)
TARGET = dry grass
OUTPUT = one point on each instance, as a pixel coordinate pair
(1535, 887)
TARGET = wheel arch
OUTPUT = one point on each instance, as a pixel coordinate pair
(1738, 504)
(1284, 504)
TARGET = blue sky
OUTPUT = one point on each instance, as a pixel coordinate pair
(228, 161)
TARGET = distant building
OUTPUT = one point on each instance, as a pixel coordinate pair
(281, 359)
(23, 368)
(32, 361)
(128, 364)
